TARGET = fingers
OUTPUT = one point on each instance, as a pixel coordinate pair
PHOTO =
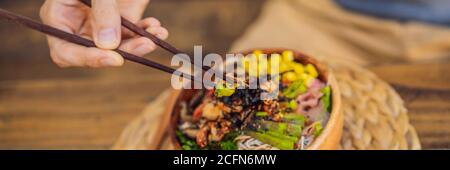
(66, 54)
(106, 33)
(138, 46)
(159, 32)
(153, 26)
(132, 9)
(67, 16)
(50, 14)
(141, 45)
(106, 24)
(149, 22)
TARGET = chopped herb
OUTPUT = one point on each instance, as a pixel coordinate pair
(261, 114)
(317, 128)
(282, 127)
(296, 88)
(293, 104)
(231, 135)
(326, 98)
(294, 118)
(186, 144)
(273, 140)
(222, 91)
(228, 145)
(291, 129)
(282, 136)
(227, 142)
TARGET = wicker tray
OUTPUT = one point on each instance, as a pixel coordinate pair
(374, 116)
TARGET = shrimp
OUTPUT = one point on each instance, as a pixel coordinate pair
(202, 136)
(198, 112)
(212, 112)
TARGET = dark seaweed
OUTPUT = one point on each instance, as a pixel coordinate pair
(197, 99)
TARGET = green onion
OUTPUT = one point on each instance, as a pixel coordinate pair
(282, 127)
(289, 129)
(293, 104)
(222, 91)
(228, 142)
(273, 140)
(294, 118)
(228, 145)
(186, 144)
(326, 98)
(317, 128)
(281, 136)
(186, 147)
(296, 88)
(261, 114)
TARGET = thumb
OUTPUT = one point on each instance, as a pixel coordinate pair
(106, 24)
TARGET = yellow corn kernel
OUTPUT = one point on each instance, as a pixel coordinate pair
(298, 68)
(307, 79)
(258, 54)
(311, 70)
(288, 55)
(290, 76)
(284, 67)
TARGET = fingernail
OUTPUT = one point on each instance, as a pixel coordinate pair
(107, 37)
(109, 62)
(152, 30)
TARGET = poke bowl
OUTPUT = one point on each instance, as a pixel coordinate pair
(304, 115)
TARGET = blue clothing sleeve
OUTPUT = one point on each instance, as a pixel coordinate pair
(432, 11)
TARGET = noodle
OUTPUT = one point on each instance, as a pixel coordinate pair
(248, 143)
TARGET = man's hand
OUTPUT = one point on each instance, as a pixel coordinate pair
(102, 25)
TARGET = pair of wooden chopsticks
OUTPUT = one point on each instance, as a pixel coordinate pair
(46, 29)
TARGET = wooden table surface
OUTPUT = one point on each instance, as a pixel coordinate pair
(44, 107)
